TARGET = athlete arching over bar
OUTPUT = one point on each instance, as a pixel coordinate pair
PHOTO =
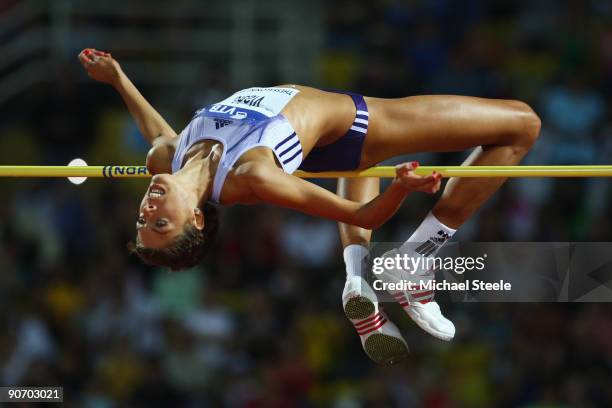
(242, 150)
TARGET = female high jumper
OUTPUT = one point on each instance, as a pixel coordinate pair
(244, 149)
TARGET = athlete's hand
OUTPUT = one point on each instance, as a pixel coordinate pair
(100, 65)
(406, 178)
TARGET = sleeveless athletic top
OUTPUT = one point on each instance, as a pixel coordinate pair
(247, 119)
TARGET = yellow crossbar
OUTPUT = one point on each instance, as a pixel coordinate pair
(379, 171)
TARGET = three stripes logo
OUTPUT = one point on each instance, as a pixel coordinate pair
(219, 123)
(370, 324)
(432, 244)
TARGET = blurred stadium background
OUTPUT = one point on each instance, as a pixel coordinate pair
(260, 324)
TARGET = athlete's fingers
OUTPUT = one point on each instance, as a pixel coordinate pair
(416, 182)
(434, 177)
(101, 53)
(422, 179)
(428, 184)
(411, 181)
(405, 168)
(88, 53)
(84, 60)
(86, 57)
(433, 187)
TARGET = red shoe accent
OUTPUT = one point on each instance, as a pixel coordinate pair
(423, 297)
(366, 321)
(420, 295)
(401, 299)
(368, 325)
(376, 326)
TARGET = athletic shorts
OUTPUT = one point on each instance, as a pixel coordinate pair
(345, 153)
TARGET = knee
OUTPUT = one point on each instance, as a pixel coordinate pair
(528, 125)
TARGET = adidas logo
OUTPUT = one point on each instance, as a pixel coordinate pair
(219, 123)
(441, 237)
(432, 244)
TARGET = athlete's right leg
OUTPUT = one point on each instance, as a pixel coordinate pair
(380, 338)
(504, 129)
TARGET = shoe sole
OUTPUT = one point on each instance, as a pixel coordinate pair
(359, 307)
(381, 348)
(385, 350)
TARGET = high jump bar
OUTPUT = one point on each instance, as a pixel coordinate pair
(112, 171)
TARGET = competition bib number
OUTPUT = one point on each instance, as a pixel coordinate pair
(263, 101)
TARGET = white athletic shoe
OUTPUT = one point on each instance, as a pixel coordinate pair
(380, 338)
(419, 304)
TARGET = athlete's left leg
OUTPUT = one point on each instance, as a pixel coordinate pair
(380, 338)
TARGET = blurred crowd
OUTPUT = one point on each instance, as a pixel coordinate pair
(260, 324)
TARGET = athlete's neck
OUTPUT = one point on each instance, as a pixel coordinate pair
(198, 173)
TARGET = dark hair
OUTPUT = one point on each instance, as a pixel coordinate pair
(187, 249)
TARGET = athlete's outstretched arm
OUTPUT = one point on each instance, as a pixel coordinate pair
(271, 185)
(102, 67)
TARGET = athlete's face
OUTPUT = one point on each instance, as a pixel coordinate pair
(163, 212)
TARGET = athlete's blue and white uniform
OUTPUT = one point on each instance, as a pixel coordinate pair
(251, 118)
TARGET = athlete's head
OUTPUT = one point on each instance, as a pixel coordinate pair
(172, 231)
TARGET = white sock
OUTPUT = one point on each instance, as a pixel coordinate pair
(353, 259)
(429, 237)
